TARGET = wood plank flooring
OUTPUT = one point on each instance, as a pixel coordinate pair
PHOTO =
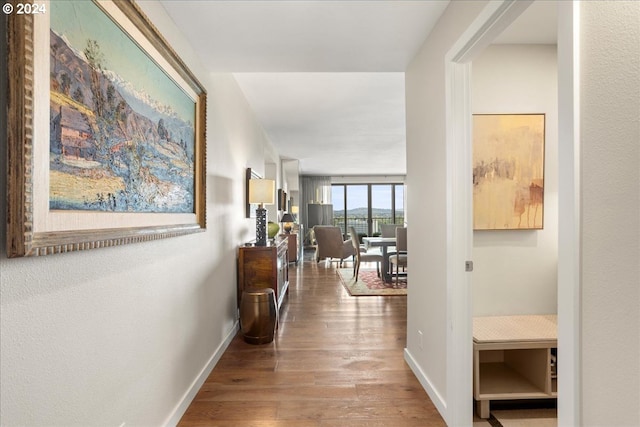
(336, 361)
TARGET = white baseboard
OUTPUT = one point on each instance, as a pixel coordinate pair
(436, 398)
(188, 397)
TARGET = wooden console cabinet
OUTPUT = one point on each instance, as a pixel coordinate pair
(264, 267)
(513, 359)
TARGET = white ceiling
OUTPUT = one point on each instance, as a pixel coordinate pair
(305, 36)
(333, 123)
(326, 78)
(537, 25)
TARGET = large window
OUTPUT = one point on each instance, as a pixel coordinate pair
(367, 206)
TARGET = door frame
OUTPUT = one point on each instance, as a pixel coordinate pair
(494, 18)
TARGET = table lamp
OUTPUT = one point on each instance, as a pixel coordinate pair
(261, 191)
(287, 220)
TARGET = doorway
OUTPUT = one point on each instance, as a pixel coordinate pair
(491, 22)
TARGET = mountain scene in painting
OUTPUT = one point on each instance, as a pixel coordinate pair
(113, 147)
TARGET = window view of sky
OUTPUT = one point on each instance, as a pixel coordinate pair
(337, 197)
(358, 216)
(357, 196)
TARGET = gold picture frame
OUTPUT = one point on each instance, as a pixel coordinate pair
(33, 227)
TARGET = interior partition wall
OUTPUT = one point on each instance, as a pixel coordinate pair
(314, 190)
(368, 206)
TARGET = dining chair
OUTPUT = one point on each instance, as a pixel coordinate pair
(362, 255)
(388, 230)
(399, 258)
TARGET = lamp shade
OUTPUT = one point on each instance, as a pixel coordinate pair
(287, 217)
(262, 191)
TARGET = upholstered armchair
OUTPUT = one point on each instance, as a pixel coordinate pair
(330, 244)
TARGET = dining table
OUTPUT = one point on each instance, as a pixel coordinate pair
(384, 243)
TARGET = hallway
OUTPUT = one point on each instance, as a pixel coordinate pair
(336, 361)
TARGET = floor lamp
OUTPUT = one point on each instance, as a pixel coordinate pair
(261, 191)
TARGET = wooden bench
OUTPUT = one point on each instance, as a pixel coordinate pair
(513, 358)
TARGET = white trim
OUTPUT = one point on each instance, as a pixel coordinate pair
(459, 244)
(436, 398)
(569, 220)
(190, 394)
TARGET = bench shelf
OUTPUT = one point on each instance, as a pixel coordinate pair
(512, 359)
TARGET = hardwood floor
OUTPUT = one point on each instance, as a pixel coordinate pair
(336, 361)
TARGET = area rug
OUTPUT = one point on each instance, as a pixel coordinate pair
(369, 284)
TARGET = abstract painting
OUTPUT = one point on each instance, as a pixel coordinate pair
(508, 171)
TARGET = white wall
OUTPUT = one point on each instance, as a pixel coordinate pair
(426, 201)
(610, 211)
(115, 335)
(515, 271)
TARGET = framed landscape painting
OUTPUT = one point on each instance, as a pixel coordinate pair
(508, 171)
(106, 131)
